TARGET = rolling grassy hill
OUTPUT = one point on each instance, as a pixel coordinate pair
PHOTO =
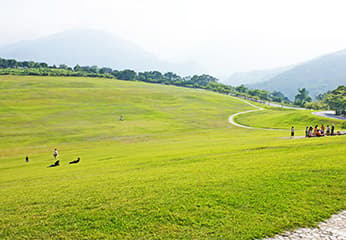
(173, 169)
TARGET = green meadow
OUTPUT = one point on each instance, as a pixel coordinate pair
(173, 169)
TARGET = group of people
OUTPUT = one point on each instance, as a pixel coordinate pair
(319, 132)
(57, 162)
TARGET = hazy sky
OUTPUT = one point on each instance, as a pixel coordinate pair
(222, 35)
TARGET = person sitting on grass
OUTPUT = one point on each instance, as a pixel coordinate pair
(55, 164)
(318, 133)
(75, 161)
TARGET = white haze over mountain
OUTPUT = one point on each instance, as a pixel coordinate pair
(224, 36)
(92, 47)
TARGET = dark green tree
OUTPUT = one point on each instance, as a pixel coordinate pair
(302, 97)
(241, 89)
(77, 68)
(336, 100)
(126, 74)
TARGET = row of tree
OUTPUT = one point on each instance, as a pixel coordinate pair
(204, 81)
(11, 63)
(274, 96)
(332, 100)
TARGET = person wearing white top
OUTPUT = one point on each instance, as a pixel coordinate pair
(55, 154)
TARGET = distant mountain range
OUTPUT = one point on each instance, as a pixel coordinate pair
(93, 47)
(256, 76)
(317, 75)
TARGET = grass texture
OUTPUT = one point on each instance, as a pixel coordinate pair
(173, 169)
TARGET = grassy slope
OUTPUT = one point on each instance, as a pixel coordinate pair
(174, 168)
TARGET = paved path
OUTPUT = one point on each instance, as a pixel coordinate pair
(231, 118)
(329, 114)
(333, 229)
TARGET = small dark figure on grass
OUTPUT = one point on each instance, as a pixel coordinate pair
(292, 131)
(121, 118)
(75, 161)
(55, 164)
(26, 159)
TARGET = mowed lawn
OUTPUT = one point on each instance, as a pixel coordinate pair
(173, 169)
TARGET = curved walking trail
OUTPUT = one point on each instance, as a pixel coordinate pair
(231, 118)
(328, 114)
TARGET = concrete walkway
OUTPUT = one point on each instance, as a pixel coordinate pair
(334, 228)
(328, 114)
(231, 118)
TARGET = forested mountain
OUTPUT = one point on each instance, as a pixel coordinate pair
(317, 76)
(92, 47)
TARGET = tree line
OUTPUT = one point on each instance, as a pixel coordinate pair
(204, 81)
(334, 100)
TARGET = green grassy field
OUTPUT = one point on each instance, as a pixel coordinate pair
(173, 169)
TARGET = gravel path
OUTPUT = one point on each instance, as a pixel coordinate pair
(333, 229)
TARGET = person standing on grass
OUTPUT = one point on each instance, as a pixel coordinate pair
(310, 131)
(292, 131)
(332, 132)
(316, 130)
(328, 130)
(55, 153)
(27, 159)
